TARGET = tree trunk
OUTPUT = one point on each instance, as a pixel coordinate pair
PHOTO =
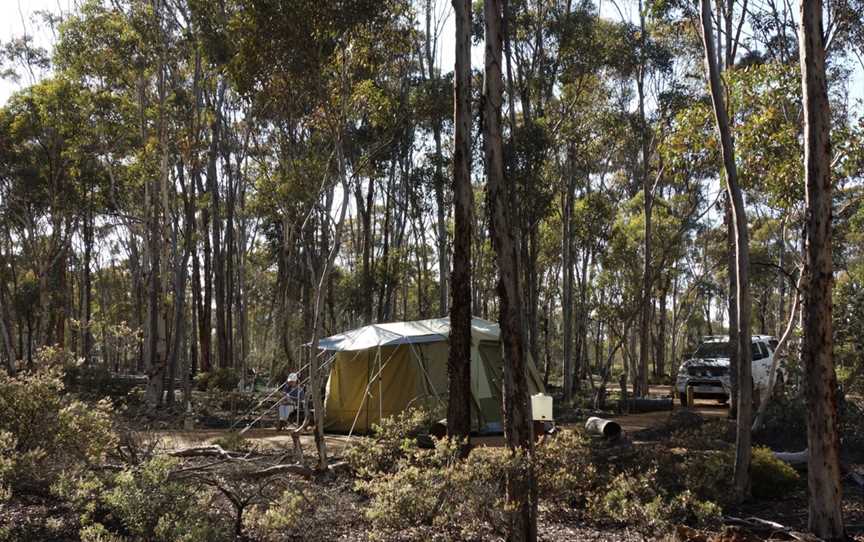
(520, 484)
(742, 264)
(647, 290)
(5, 327)
(318, 316)
(823, 472)
(86, 288)
(459, 357)
(224, 358)
(568, 263)
(734, 354)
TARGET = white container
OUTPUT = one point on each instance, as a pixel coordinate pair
(541, 407)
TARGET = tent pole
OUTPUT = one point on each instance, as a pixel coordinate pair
(369, 382)
(380, 389)
(419, 357)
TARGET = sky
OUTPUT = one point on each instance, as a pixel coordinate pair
(16, 19)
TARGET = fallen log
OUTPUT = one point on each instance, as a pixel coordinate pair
(766, 528)
(214, 450)
(609, 429)
(649, 404)
(299, 470)
(794, 458)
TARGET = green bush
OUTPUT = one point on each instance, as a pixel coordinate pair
(567, 475)
(393, 439)
(852, 431)
(224, 379)
(434, 492)
(153, 506)
(53, 432)
(711, 435)
(637, 500)
(233, 441)
(98, 533)
(287, 518)
(771, 477)
(7, 463)
(785, 425)
(708, 475)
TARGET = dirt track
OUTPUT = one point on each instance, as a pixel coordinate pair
(272, 439)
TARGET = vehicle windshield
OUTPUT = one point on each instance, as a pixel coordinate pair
(712, 350)
(721, 350)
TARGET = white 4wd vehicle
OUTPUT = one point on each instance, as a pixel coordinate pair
(707, 372)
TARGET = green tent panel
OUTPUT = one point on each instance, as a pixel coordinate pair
(382, 370)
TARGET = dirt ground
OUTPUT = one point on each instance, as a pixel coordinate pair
(271, 439)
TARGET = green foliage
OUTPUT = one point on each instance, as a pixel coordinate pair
(232, 441)
(567, 475)
(7, 463)
(286, 518)
(52, 433)
(98, 533)
(710, 435)
(394, 439)
(432, 491)
(770, 477)
(634, 498)
(224, 379)
(153, 506)
(785, 426)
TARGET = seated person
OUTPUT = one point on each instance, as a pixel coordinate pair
(291, 404)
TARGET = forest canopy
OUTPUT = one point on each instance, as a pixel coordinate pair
(194, 193)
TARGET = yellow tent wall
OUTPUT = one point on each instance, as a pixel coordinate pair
(411, 375)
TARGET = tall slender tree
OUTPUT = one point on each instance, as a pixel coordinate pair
(521, 487)
(459, 357)
(823, 469)
(743, 452)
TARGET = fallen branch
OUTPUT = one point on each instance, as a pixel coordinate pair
(299, 470)
(794, 458)
(764, 527)
(213, 450)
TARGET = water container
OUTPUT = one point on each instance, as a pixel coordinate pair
(541, 407)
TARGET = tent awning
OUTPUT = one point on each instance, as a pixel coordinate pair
(396, 333)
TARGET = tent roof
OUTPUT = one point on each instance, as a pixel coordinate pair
(396, 333)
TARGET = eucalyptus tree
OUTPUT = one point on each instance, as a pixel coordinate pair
(740, 324)
(315, 75)
(459, 356)
(823, 439)
(521, 489)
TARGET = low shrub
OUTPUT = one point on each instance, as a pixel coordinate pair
(286, 519)
(567, 474)
(153, 506)
(7, 449)
(224, 379)
(434, 492)
(636, 499)
(392, 440)
(710, 435)
(233, 441)
(708, 475)
(770, 477)
(52, 432)
(785, 425)
(852, 431)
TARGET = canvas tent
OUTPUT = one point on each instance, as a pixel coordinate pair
(382, 369)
